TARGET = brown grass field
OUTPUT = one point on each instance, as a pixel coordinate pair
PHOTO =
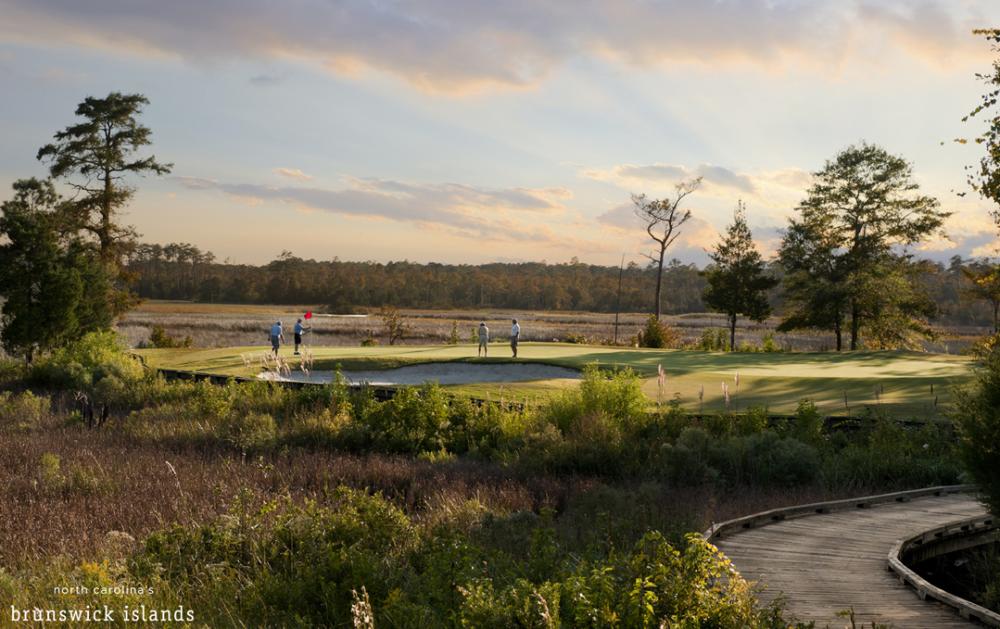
(107, 481)
(226, 325)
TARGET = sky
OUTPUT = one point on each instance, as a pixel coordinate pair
(468, 131)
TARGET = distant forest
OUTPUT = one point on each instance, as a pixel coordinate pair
(182, 271)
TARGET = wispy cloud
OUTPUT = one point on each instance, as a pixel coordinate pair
(292, 173)
(452, 45)
(663, 176)
(505, 214)
(267, 80)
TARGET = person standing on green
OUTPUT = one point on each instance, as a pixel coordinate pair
(515, 334)
(276, 337)
(299, 331)
(484, 340)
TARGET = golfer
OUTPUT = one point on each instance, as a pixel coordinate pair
(299, 331)
(484, 340)
(515, 334)
(276, 337)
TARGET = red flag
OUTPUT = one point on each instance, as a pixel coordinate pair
(309, 314)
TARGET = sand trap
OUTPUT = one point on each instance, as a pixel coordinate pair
(442, 373)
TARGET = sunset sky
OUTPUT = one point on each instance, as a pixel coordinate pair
(468, 131)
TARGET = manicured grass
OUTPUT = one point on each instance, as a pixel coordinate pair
(906, 383)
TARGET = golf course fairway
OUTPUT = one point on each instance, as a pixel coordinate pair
(911, 384)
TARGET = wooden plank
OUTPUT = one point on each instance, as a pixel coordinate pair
(825, 563)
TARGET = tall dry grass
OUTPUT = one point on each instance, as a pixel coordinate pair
(64, 488)
(228, 326)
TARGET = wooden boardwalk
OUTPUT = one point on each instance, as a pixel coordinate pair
(829, 562)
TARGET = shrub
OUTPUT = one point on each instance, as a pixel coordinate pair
(713, 340)
(83, 364)
(326, 428)
(617, 396)
(771, 460)
(50, 471)
(807, 425)
(249, 431)
(158, 337)
(769, 345)
(657, 334)
(284, 562)
(755, 420)
(977, 417)
(23, 411)
(414, 420)
(686, 461)
(395, 326)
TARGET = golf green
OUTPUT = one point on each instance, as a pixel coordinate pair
(915, 384)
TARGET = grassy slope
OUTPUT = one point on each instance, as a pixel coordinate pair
(903, 380)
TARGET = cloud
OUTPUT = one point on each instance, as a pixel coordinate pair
(771, 190)
(507, 214)
(631, 175)
(621, 217)
(292, 173)
(267, 80)
(461, 45)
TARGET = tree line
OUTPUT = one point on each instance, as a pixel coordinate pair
(185, 272)
(182, 271)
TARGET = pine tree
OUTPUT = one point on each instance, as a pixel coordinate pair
(94, 157)
(737, 280)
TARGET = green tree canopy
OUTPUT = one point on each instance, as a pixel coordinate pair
(737, 281)
(984, 284)
(53, 283)
(977, 416)
(862, 210)
(95, 156)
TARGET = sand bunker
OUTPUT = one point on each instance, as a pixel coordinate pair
(442, 373)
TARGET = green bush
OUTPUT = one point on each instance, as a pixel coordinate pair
(249, 432)
(769, 345)
(713, 340)
(977, 418)
(284, 562)
(85, 364)
(23, 411)
(771, 460)
(414, 420)
(159, 337)
(753, 421)
(657, 334)
(807, 425)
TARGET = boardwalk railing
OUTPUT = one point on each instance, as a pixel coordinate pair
(938, 541)
(729, 527)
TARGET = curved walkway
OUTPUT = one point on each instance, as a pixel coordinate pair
(828, 562)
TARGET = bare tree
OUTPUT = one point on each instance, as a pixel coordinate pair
(663, 219)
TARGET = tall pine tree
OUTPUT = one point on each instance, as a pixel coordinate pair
(737, 281)
(94, 157)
